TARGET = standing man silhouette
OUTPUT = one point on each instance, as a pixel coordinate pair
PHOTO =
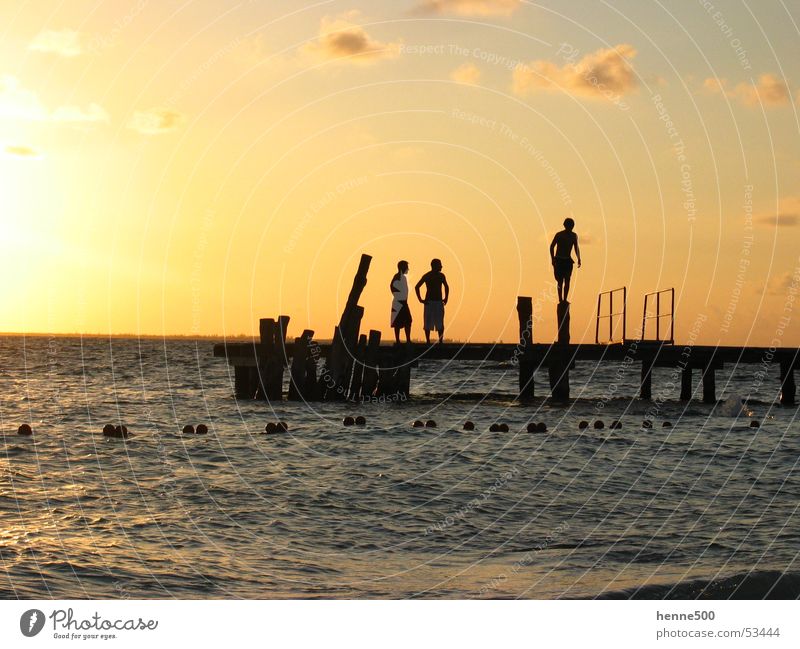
(401, 315)
(561, 257)
(434, 302)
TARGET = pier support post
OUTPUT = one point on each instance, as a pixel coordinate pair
(562, 313)
(646, 388)
(559, 357)
(788, 387)
(358, 368)
(709, 384)
(241, 382)
(686, 384)
(297, 374)
(371, 364)
(526, 365)
(265, 357)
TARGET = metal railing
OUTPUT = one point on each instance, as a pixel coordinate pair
(611, 315)
(658, 316)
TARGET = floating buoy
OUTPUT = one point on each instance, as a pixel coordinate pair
(188, 429)
(202, 429)
(541, 427)
(283, 426)
(361, 421)
(418, 424)
(502, 428)
(271, 427)
(754, 423)
(583, 424)
(25, 429)
(667, 424)
(348, 421)
(615, 425)
(108, 430)
(430, 424)
(532, 427)
(599, 424)
(494, 428)
(468, 425)
(647, 424)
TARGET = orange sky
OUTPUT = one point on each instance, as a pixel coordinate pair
(174, 168)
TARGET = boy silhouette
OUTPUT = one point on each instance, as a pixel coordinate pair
(561, 257)
(434, 302)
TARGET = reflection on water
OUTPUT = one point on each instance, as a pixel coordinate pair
(380, 511)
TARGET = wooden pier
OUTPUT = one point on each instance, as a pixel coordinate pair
(358, 367)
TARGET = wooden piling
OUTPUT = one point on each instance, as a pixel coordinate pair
(345, 336)
(526, 364)
(562, 315)
(686, 384)
(559, 357)
(788, 387)
(297, 374)
(370, 382)
(709, 384)
(266, 330)
(241, 382)
(358, 368)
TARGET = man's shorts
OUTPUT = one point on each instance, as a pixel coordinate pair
(562, 268)
(434, 316)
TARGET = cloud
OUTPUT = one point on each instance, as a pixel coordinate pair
(20, 104)
(343, 40)
(787, 214)
(76, 114)
(781, 284)
(155, 121)
(469, 7)
(606, 73)
(21, 151)
(768, 90)
(65, 42)
(468, 73)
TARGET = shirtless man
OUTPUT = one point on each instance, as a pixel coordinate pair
(434, 302)
(561, 256)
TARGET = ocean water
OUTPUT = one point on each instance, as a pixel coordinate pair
(707, 508)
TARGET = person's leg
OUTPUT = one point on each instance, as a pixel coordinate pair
(397, 334)
(428, 336)
(441, 335)
(560, 289)
(408, 333)
(566, 288)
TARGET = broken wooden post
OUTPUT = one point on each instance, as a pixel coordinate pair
(526, 364)
(371, 364)
(346, 334)
(788, 387)
(278, 360)
(297, 374)
(312, 386)
(646, 387)
(686, 383)
(709, 384)
(358, 368)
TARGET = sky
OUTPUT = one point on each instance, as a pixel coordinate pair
(189, 166)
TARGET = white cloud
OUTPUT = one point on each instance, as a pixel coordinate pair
(468, 73)
(767, 89)
(155, 121)
(606, 73)
(65, 42)
(20, 104)
(343, 40)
